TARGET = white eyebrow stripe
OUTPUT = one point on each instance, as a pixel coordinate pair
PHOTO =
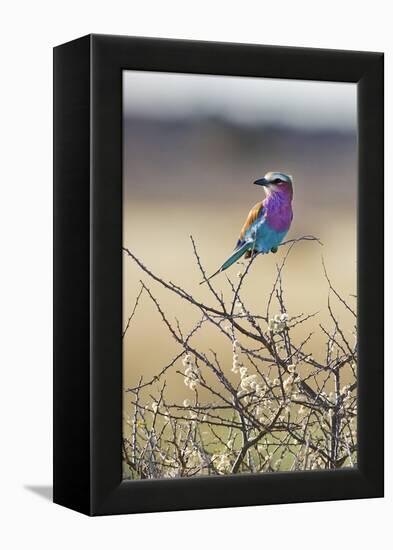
(270, 176)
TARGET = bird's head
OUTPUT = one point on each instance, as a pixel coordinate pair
(276, 181)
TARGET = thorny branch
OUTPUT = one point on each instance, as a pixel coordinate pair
(275, 408)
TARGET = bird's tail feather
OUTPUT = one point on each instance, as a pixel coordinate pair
(238, 253)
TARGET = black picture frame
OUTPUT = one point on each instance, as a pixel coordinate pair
(88, 273)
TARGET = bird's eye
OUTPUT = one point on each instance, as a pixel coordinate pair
(277, 180)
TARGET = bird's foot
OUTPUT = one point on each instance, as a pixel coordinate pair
(264, 251)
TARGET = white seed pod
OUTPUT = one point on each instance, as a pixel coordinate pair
(243, 371)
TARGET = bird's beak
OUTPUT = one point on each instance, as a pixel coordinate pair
(262, 181)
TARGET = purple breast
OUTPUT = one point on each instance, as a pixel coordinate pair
(279, 210)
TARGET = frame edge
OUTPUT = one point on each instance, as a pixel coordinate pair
(71, 275)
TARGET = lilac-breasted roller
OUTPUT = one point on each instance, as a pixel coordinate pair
(268, 221)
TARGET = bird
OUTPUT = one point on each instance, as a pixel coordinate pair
(267, 222)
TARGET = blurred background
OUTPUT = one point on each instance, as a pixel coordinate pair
(193, 145)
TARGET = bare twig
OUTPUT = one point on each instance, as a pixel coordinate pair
(268, 411)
